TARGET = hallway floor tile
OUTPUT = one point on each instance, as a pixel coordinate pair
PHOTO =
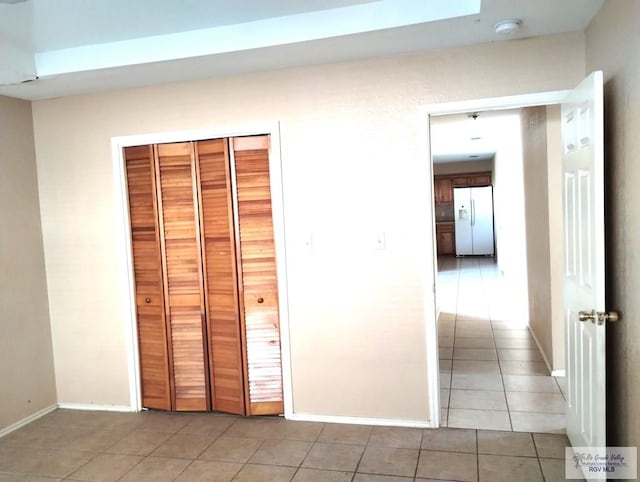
(491, 370)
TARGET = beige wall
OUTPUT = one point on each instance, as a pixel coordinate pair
(509, 216)
(26, 361)
(352, 167)
(612, 45)
(556, 239)
(534, 160)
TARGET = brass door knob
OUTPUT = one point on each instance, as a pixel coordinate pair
(147, 300)
(260, 300)
(599, 317)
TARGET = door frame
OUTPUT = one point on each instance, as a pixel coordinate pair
(125, 258)
(430, 270)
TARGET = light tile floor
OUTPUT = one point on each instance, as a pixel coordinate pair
(492, 375)
(156, 446)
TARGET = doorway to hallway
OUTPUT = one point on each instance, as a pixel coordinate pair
(492, 375)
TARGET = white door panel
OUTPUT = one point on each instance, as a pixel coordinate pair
(583, 194)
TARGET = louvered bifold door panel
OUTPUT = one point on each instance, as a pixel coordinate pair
(223, 312)
(258, 273)
(184, 288)
(147, 270)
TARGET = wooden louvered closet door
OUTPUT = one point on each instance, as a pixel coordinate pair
(147, 269)
(205, 275)
(223, 310)
(183, 267)
(258, 272)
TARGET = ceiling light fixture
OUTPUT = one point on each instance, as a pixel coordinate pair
(507, 27)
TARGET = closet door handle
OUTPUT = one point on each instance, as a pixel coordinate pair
(260, 300)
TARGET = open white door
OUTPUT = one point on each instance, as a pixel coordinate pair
(583, 193)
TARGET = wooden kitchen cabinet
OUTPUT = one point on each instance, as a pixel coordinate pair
(442, 190)
(460, 181)
(481, 179)
(471, 179)
(445, 239)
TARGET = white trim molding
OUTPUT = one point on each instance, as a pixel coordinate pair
(430, 269)
(495, 103)
(21, 423)
(542, 352)
(385, 422)
(96, 407)
(125, 264)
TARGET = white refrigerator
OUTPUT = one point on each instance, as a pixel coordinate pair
(473, 213)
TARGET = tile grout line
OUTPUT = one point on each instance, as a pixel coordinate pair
(535, 447)
(453, 349)
(477, 456)
(244, 464)
(415, 472)
(355, 471)
(313, 442)
(203, 450)
(149, 454)
(103, 452)
(504, 388)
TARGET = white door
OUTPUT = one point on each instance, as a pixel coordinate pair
(583, 193)
(482, 220)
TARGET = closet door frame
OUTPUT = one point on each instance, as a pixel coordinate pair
(125, 264)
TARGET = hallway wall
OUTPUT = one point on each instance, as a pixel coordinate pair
(542, 160)
(556, 238)
(534, 161)
(509, 215)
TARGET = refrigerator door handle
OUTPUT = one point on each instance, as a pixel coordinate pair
(473, 212)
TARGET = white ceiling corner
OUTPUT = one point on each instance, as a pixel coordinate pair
(79, 46)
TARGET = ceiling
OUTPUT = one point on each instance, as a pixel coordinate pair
(53, 48)
(475, 136)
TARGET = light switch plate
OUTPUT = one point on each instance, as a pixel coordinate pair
(380, 240)
(308, 241)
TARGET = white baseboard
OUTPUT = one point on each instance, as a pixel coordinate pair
(96, 407)
(308, 417)
(554, 373)
(26, 420)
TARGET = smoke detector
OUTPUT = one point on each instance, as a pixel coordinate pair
(507, 27)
